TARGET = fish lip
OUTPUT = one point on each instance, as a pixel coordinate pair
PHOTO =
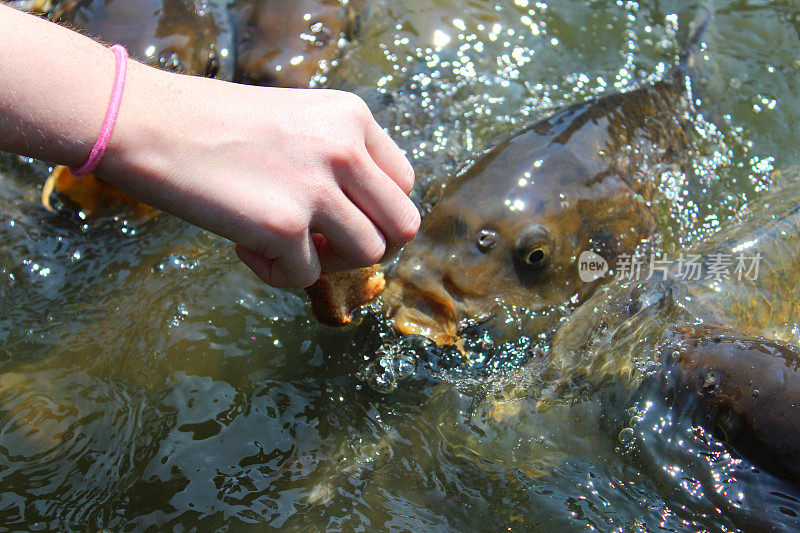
(432, 312)
(457, 291)
(441, 302)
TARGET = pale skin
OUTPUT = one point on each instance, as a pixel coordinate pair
(303, 181)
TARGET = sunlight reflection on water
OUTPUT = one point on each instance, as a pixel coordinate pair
(149, 380)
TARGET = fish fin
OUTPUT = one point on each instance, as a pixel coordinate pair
(47, 192)
(698, 29)
(682, 76)
(684, 70)
(93, 196)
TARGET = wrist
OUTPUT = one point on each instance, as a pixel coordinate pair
(136, 154)
(169, 128)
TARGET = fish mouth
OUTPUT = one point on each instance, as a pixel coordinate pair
(428, 311)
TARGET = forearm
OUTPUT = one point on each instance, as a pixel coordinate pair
(52, 105)
(301, 179)
(54, 89)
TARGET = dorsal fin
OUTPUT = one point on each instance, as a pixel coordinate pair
(685, 63)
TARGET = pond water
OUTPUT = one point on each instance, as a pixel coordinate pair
(148, 379)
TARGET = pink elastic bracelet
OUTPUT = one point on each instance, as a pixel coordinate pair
(114, 102)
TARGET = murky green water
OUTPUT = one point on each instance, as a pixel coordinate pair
(149, 380)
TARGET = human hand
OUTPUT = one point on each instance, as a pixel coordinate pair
(303, 181)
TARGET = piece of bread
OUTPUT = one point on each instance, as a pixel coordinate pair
(336, 295)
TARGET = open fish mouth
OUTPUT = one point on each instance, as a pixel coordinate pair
(432, 313)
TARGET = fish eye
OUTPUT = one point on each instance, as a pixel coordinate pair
(534, 247)
(536, 256)
(487, 239)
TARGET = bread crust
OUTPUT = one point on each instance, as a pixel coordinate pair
(336, 295)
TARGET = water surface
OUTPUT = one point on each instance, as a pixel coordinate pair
(149, 380)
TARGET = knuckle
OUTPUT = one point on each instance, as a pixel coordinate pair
(346, 155)
(295, 277)
(373, 254)
(408, 224)
(356, 106)
(306, 278)
(322, 191)
(289, 227)
(407, 181)
(364, 252)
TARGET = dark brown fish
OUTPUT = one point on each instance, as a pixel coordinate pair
(730, 341)
(259, 42)
(509, 229)
(746, 389)
(287, 43)
(170, 34)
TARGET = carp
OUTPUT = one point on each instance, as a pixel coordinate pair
(508, 230)
(274, 43)
(726, 339)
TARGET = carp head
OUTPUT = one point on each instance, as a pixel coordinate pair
(509, 232)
